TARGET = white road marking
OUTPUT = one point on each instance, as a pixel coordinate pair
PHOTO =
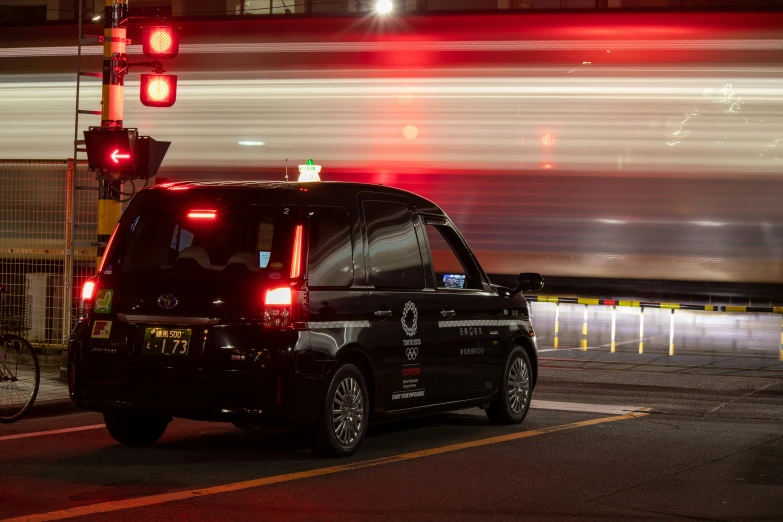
(51, 432)
(587, 408)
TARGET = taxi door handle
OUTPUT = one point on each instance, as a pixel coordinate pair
(447, 313)
(383, 313)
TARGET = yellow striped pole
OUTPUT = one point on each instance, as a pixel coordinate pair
(112, 112)
(671, 334)
(641, 330)
(557, 323)
(614, 321)
(584, 330)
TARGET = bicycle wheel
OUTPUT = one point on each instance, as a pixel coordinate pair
(19, 377)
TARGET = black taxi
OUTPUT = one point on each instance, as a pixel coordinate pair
(329, 304)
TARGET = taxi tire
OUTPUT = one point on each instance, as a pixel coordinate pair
(324, 443)
(499, 411)
(135, 428)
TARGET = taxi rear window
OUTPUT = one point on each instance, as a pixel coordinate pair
(205, 242)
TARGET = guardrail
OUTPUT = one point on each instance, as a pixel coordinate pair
(641, 305)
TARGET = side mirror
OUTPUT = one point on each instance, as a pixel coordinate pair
(529, 282)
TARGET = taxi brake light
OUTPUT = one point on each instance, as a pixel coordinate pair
(277, 308)
(296, 256)
(202, 214)
(278, 296)
(88, 290)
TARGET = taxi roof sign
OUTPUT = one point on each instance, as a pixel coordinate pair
(309, 171)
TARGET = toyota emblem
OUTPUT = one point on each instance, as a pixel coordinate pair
(167, 301)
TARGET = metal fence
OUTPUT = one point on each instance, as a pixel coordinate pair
(48, 227)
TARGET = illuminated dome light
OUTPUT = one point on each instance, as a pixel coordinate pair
(410, 132)
(384, 7)
(548, 140)
(547, 166)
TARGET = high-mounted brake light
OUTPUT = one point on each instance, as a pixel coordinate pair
(88, 290)
(202, 214)
(296, 256)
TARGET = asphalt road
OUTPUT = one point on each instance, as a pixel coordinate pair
(710, 448)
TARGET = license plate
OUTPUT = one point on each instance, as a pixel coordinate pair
(166, 341)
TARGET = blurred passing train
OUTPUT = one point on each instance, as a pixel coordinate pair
(593, 145)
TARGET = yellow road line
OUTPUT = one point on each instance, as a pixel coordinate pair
(107, 507)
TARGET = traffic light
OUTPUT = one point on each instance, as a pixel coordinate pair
(111, 149)
(160, 42)
(158, 90)
(123, 152)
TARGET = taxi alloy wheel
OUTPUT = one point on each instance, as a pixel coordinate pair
(347, 411)
(513, 399)
(518, 386)
(343, 421)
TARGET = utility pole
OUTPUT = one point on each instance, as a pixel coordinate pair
(112, 113)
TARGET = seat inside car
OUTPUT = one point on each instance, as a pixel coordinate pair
(247, 259)
(200, 256)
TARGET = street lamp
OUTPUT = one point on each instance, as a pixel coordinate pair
(383, 7)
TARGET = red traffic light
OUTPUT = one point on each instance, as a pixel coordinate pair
(111, 149)
(160, 42)
(158, 90)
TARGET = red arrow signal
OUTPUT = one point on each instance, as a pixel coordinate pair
(117, 157)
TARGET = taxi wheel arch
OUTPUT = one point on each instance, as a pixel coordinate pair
(359, 358)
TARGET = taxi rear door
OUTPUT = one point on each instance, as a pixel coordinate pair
(403, 305)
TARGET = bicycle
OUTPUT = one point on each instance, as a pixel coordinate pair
(19, 370)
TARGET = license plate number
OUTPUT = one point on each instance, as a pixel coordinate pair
(166, 341)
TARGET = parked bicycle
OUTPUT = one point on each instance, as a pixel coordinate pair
(19, 371)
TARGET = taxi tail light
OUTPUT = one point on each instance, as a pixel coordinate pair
(278, 310)
(88, 293)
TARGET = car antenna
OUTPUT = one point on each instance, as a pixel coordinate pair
(286, 169)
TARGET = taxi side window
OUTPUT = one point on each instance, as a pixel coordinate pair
(453, 266)
(395, 258)
(329, 258)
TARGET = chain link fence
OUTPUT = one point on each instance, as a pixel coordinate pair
(48, 227)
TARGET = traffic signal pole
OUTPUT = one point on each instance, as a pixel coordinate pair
(112, 112)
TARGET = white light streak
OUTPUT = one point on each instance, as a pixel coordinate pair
(466, 119)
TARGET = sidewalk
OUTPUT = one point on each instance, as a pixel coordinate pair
(52, 394)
